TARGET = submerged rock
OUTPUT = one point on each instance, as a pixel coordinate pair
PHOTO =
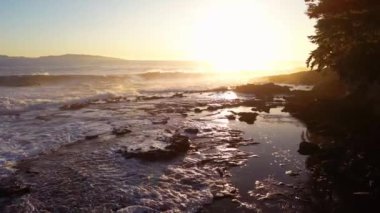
(192, 130)
(121, 131)
(248, 117)
(231, 117)
(306, 148)
(74, 106)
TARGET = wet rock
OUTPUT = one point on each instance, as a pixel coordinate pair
(224, 191)
(74, 106)
(248, 117)
(176, 145)
(221, 171)
(177, 95)
(306, 148)
(231, 117)
(291, 173)
(121, 131)
(192, 130)
(148, 98)
(91, 136)
(137, 209)
(179, 143)
(197, 110)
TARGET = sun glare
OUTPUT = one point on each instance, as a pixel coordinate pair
(234, 37)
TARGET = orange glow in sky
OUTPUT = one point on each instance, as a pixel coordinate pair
(253, 35)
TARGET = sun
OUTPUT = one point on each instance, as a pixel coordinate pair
(233, 37)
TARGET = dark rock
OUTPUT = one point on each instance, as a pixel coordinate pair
(177, 144)
(248, 117)
(121, 131)
(257, 105)
(306, 148)
(74, 106)
(197, 110)
(147, 98)
(192, 130)
(91, 136)
(231, 117)
(177, 95)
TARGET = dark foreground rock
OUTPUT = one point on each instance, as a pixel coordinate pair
(176, 145)
(345, 169)
(269, 89)
(248, 117)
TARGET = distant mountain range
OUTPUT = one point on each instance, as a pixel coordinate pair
(85, 64)
(61, 60)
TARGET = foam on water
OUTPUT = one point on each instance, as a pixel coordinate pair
(64, 130)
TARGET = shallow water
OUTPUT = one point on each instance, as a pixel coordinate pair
(275, 162)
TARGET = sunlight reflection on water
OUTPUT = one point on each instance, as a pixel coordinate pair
(230, 95)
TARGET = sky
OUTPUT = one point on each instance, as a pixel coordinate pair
(230, 34)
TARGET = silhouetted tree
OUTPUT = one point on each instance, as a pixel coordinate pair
(347, 35)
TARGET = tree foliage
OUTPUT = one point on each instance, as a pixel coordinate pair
(347, 35)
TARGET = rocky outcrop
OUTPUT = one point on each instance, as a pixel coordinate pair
(248, 117)
(176, 145)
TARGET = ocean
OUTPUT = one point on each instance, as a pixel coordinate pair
(80, 139)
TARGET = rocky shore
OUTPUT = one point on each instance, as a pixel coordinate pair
(177, 152)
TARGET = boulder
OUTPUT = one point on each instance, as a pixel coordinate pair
(248, 117)
(176, 145)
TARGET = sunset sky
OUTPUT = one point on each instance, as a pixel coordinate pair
(230, 34)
